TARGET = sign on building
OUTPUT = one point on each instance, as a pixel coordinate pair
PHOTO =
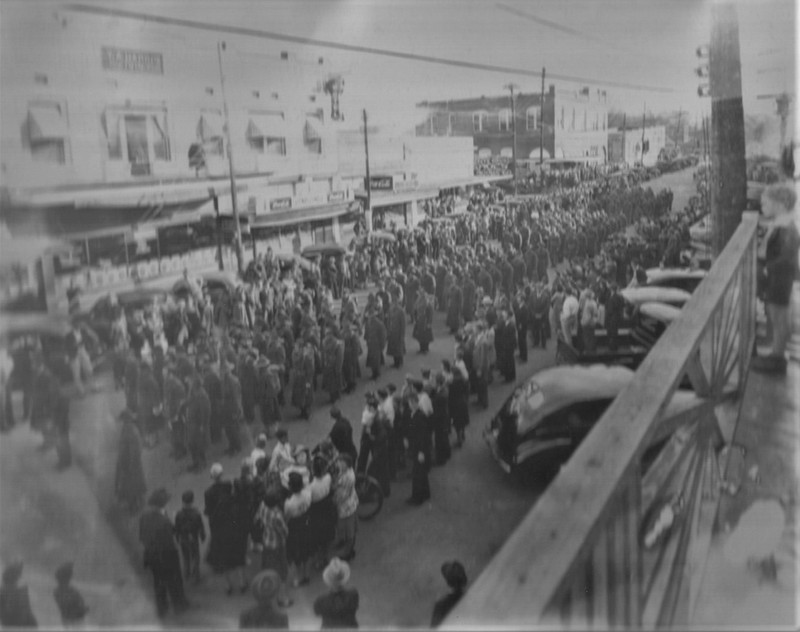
(336, 196)
(280, 204)
(127, 60)
(381, 183)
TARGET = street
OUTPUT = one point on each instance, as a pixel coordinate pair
(474, 505)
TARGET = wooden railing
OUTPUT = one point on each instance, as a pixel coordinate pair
(589, 553)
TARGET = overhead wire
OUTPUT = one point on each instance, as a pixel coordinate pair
(296, 39)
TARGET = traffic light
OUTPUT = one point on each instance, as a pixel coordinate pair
(703, 52)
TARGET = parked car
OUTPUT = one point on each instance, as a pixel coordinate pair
(681, 278)
(101, 315)
(48, 333)
(545, 419)
(218, 283)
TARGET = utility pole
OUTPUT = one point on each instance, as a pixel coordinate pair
(678, 131)
(368, 210)
(234, 201)
(511, 87)
(728, 170)
(624, 130)
(541, 125)
(644, 115)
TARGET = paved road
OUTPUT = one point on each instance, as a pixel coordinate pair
(474, 507)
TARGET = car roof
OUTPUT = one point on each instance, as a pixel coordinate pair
(557, 387)
(654, 293)
(221, 276)
(660, 311)
(34, 323)
(660, 274)
(323, 249)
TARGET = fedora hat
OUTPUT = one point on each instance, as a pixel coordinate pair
(265, 586)
(454, 574)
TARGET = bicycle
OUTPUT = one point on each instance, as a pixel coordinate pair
(368, 489)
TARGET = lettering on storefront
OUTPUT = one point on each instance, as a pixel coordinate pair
(127, 60)
(381, 183)
(280, 204)
(402, 186)
(336, 196)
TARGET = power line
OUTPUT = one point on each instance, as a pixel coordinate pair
(296, 39)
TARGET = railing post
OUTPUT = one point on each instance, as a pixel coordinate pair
(747, 304)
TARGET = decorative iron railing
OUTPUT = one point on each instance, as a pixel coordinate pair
(610, 543)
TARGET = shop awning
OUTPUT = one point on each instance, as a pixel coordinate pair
(210, 126)
(46, 122)
(266, 125)
(298, 216)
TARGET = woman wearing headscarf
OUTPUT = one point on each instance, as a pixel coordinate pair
(221, 510)
(295, 509)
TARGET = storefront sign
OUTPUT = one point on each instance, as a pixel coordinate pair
(336, 196)
(280, 204)
(126, 60)
(381, 183)
(402, 186)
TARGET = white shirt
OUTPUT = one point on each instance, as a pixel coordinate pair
(320, 488)
(387, 407)
(281, 457)
(425, 404)
(570, 307)
(255, 455)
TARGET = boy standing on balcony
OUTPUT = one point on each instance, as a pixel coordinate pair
(779, 272)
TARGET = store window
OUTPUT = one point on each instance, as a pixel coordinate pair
(532, 116)
(139, 137)
(312, 135)
(266, 133)
(210, 133)
(47, 132)
(479, 121)
(504, 120)
(322, 231)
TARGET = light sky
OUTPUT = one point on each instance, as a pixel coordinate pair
(643, 42)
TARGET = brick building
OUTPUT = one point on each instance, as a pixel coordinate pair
(570, 124)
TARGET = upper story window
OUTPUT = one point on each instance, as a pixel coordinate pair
(266, 133)
(312, 134)
(532, 117)
(137, 136)
(561, 120)
(47, 134)
(572, 122)
(596, 121)
(479, 121)
(585, 120)
(210, 133)
(504, 120)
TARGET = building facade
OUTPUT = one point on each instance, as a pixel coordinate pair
(625, 146)
(570, 125)
(112, 139)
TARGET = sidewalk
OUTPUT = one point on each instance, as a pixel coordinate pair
(734, 593)
(49, 517)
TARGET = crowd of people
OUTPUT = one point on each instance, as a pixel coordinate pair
(219, 370)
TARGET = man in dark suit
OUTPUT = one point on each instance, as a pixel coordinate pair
(161, 554)
(420, 450)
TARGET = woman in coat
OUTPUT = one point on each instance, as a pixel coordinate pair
(454, 307)
(129, 484)
(396, 333)
(423, 324)
(303, 371)
(332, 363)
(351, 368)
(459, 397)
(222, 512)
(375, 336)
(295, 509)
(419, 447)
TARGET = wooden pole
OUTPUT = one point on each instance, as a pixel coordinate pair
(644, 115)
(541, 124)
(367, 183)
(728, 170)
(234, 201)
